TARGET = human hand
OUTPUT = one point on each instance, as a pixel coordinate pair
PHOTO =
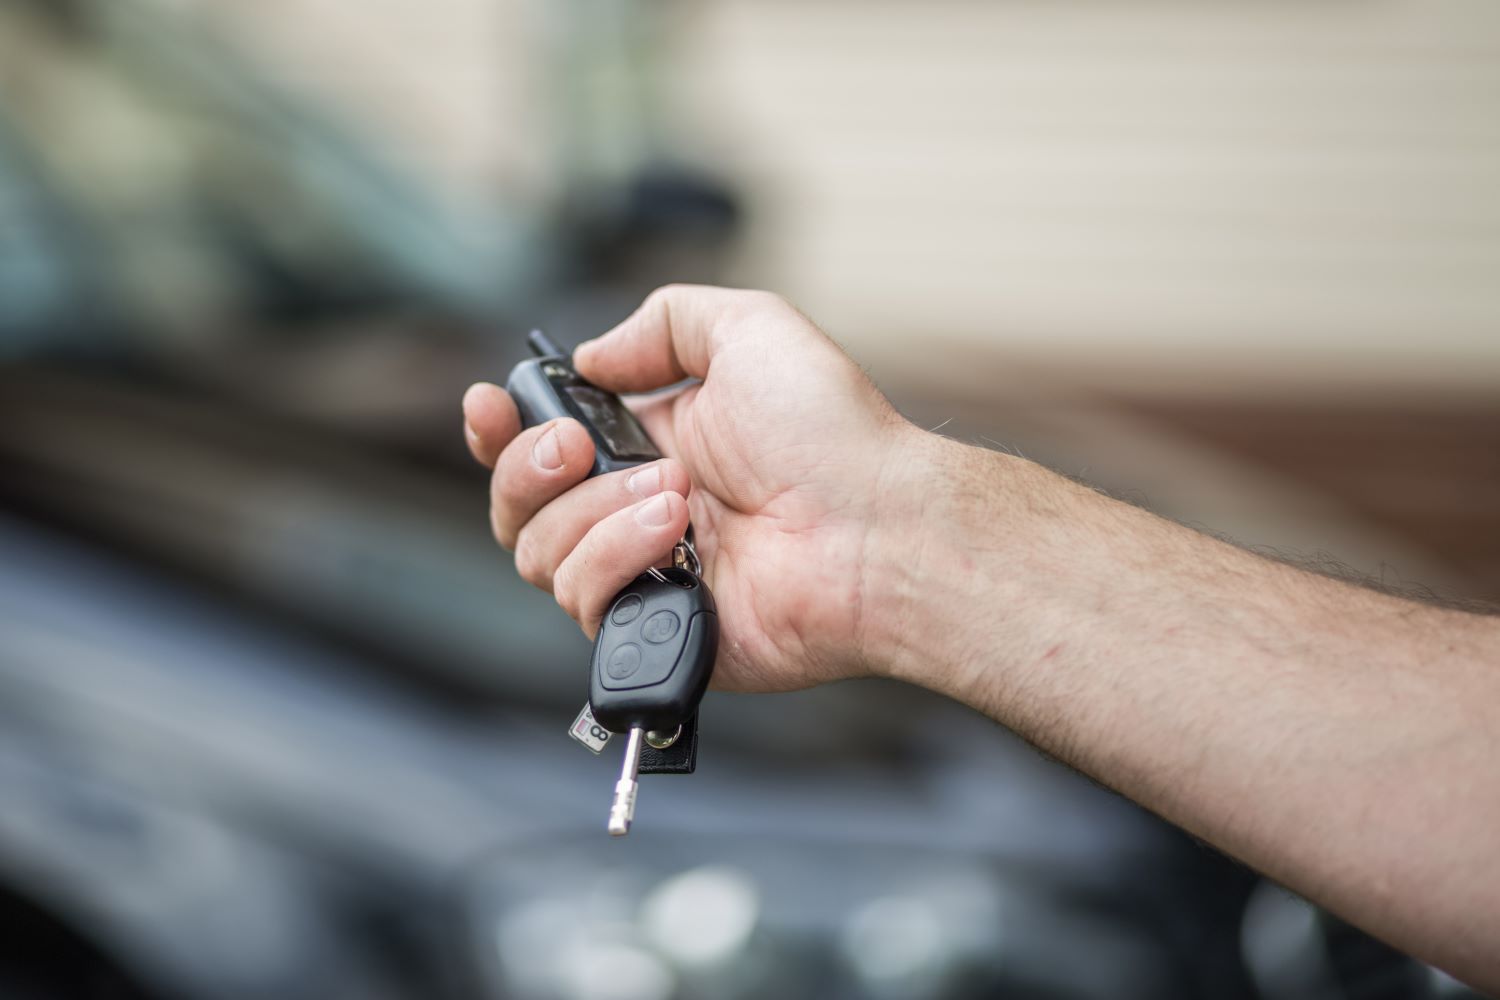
(779, 456)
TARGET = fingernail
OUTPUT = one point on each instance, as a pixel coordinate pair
(645, 482)
(471, 434)
(547, 452)
(654, 512)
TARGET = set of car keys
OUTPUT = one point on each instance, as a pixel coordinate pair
(658, 641)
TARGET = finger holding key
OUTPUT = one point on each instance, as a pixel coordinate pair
(539, 465)
(614, 552)
(555, 531)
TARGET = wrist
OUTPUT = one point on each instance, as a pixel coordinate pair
(984, 566)
(951, 518)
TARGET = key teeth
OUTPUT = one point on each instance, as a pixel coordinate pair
(622, 809)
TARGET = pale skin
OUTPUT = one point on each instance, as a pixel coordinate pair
(1344, 742)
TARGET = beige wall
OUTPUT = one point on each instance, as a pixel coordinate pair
(1137, 192)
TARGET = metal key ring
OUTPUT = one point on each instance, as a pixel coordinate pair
(684, 557)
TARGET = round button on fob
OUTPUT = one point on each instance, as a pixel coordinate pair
(626, 609)
(624, 661)
(654, 653)
(660, 627)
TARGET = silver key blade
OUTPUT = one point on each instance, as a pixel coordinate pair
(622, 808)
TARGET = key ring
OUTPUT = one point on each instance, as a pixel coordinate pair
(684, 557)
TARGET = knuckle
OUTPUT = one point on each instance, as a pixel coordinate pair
(754, 303)
(566, 595)
(669, 290)
(504, 537)
(530, 564)
(657, 307)
(767, 300)
(509, 496)
(502, 484)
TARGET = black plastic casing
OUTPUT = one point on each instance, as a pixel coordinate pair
(662, 691)
(539, 387)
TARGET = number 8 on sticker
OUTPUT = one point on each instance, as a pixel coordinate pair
(588, 732)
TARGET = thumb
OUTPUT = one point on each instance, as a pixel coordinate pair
(672, 336)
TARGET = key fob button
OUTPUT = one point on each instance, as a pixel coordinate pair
(626, 609)
(657, 663)
(624, 661)
(660, 627)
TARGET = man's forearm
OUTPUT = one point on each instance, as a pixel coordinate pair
(1342, 741)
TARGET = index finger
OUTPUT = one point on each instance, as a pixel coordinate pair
(672, 336)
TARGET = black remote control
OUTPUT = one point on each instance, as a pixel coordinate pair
(548, 387)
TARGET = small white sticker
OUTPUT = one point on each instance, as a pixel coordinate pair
(588, 732)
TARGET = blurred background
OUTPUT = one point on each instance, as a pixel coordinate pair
(278, 720)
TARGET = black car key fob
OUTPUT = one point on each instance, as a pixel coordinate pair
(548, 387)
(651, 665)
(654, 654)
